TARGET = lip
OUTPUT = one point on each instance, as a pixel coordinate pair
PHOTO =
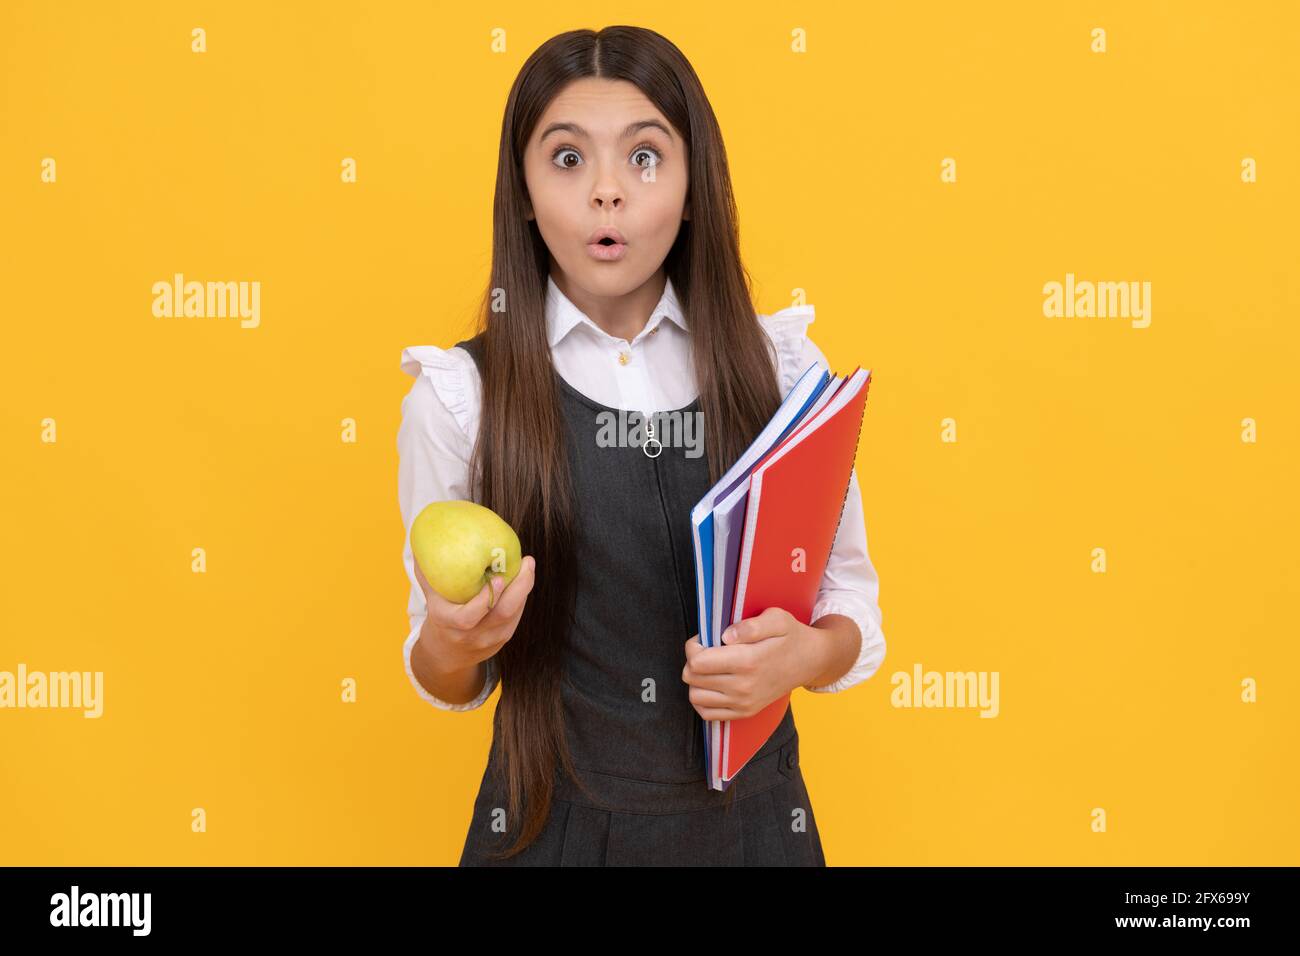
(609, 231)
(606, 253)
(610, 253)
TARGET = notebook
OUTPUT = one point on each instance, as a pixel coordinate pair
(788, 496)
(793, 410)
(728, 526)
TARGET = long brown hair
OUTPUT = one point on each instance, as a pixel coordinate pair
(520, 457)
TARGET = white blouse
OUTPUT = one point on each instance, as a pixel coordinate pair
(440, 417)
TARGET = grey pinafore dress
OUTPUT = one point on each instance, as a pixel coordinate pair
(635, 607)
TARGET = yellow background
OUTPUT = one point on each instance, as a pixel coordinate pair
(222, 690)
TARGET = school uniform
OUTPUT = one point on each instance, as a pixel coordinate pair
(644, 799)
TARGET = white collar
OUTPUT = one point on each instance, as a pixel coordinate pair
(562, 315)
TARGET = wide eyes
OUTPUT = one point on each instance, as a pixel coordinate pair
(564, 164)
(643, 156)
(646, 151)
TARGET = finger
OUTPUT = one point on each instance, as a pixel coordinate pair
(510, 603)
(771, 623)
(711, 705)
(693, 647)
(724, 658)
(720, 713)
(468, 615)
(443, 611)
(742, 632)
(440, 608)
(707, 697)
(726, 683)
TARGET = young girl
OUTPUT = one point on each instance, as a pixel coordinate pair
(617, 290)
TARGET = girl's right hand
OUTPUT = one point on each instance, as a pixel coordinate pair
(462, 635)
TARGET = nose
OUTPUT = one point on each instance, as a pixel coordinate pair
(607, 193)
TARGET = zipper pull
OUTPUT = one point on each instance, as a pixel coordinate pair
(650, 437)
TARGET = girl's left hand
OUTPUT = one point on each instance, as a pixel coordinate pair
(760, 659)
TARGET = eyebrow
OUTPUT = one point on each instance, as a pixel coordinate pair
(631, 130)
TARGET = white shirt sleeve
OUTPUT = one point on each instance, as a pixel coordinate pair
(849, 585)
(433, 448)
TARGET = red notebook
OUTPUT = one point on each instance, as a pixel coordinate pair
(796, 500)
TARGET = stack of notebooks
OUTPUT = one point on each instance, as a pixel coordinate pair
(764, 533)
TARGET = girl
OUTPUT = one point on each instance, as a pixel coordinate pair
(617, 288)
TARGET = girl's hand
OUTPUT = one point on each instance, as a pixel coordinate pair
(461, 635)
(761, 658)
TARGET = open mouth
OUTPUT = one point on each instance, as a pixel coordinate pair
(607, 249)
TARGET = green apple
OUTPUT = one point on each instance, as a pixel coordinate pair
(461, 546)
